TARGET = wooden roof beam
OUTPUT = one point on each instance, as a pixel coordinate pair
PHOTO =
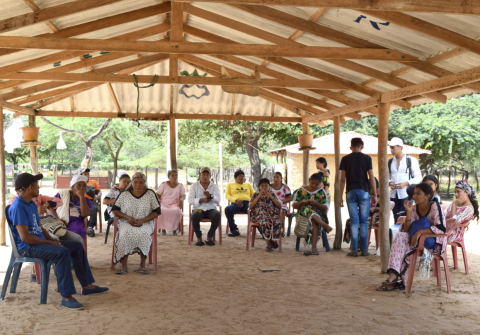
(340, 37)
(50, 13)
(107, 22)
(341, 111)
(468, 7)
(166, 116)
(346, 84)
(144, 79)
(33, 6)
(15, 108)
(429, 29)
(202, 48)
(114, 98)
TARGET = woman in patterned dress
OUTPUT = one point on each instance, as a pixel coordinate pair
(321, 164)
(283, 192)
(311, 201)
(265, 212)
(404, 245)
(464, 208)
(136, 209)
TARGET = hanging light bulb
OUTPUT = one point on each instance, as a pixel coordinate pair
(61, 143)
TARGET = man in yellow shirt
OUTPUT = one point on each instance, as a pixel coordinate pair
(94, 196)
(239, 194)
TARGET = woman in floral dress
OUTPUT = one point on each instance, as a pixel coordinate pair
(265, 212)
(311, 201)
(321, 164)
(464, 208)
(283, 192)
(404, 245)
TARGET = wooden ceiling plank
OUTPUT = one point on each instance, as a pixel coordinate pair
(466, 7)
(50, 13)
(370, 102)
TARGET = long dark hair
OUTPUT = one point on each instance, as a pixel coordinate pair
(428, 190)
(431, 177)
(263, 181)
(475, 209)
(322, 160)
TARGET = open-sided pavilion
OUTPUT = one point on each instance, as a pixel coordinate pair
(319, 60)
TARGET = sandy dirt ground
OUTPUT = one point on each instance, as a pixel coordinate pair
(220, 290)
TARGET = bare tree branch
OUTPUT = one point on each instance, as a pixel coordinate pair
(79, 133)
(99, 131)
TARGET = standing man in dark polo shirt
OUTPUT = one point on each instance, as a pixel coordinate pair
(356, 169)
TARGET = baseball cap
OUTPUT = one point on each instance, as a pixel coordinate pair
(82, 170)
(77, 178)
(396, 141)
(26, 179)
(205, 169)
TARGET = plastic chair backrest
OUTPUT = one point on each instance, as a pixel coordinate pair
(10, 224)
(451, 224)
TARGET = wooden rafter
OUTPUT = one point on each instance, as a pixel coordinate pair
(346, 84)
(114, 98)
(469, 7)
(145, 79)
(166, 116)
(33, 6)
(109, 69)
(203, 48)
(176, 35)
(50, 13)
(340, 37)
(16, 108)
(429, 29)
(107, 22)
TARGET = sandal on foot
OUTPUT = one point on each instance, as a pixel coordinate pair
(210, 243)
(143, 271)
(199, 243)
(121, 272)
(269, 249)
(383, 288)
(311, 252)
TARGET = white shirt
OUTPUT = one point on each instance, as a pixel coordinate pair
(400, 175)
(196, 193)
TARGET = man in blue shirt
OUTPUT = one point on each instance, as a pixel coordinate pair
(33, 241)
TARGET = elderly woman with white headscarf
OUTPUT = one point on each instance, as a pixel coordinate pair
(76, 207)
(171, 194)
(136, 209)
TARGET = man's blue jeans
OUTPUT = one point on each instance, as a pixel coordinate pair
(358, 203)
(233, 209)
(399, 207)
(63, 257)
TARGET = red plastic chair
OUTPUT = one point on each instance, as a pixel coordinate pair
(375, 227)
(239, 213)
(252, 231)
(190, 228)
(180, 224)
(436, 259)
(460, 244)
(153, 246)
(37, 266)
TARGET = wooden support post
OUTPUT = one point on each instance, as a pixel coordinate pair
(146, 174)
(383, 117)
(306, 158)
(173, 143)
(272, 112)
(70, 172)
(221, 169)
(33, 148)
(3, 179)
(156, 179)
(186, 178)
(54, 168)
(337, 244)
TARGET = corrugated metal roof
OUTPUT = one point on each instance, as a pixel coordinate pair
(156, 99)
(325, 146)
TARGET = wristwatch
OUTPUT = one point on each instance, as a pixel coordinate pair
(211, 196)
